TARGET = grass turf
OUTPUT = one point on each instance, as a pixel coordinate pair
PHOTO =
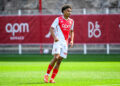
(76, 70)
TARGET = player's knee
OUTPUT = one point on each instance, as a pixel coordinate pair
(56, 56)
(55, 59)
(59, 61)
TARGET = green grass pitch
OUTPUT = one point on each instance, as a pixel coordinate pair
(76, 70)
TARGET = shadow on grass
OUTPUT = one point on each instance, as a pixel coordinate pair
(73, 57)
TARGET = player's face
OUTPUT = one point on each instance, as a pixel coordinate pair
(67, 12)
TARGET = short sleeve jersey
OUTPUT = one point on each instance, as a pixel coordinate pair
(62, 28)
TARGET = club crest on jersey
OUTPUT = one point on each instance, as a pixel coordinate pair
(61, 21)
(70, 22)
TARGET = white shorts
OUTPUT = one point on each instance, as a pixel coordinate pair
(59, 48)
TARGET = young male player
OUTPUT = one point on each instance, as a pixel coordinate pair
(60, 30)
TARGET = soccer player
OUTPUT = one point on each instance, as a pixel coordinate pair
(60, 30)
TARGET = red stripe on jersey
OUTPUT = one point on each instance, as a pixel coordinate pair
(65, 26)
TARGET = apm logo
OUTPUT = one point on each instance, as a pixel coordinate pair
(15, 28)
(94, 30)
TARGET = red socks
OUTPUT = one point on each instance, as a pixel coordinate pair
(55, 71)
(49, 69)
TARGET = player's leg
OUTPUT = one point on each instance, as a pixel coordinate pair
(52, 63)
(55, 70)
(56, 53)
(63, 54)
(58, 62)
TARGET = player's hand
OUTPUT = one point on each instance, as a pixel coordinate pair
(71, 44)
(56, 39)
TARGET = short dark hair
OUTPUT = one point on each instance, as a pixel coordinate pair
(65, 7)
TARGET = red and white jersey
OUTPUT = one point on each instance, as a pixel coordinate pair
(62, 28)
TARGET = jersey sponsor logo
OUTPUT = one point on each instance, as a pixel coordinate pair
(66, 26)
(94, 29)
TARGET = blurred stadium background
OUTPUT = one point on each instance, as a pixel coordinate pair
(94, 69)
(52, 7)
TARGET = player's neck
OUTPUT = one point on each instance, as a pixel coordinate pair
(65, 17)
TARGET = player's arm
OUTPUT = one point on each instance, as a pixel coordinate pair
(72, 35)
(53, 34)
(52, 29)
(72, 38)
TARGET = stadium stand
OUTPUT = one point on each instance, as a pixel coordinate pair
(52, 6)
